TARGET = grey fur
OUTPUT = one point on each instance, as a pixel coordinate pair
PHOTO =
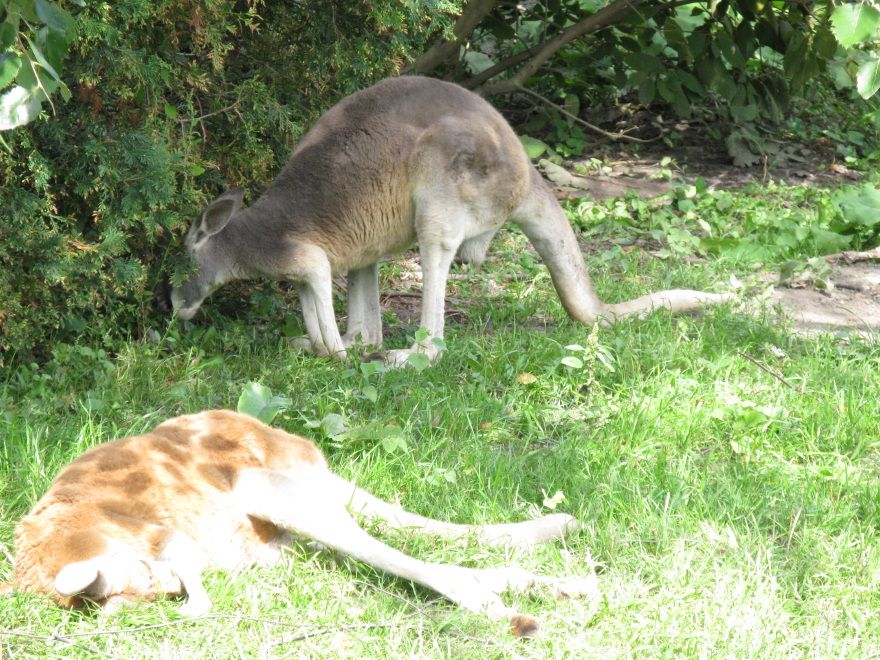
(406, 160)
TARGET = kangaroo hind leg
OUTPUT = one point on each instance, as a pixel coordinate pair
(364, 313)
(312, 502)
(440, 228)
(523, 535)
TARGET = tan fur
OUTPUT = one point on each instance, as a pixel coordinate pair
(408, 159)
(139, 518)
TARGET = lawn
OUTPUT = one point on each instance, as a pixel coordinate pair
(727, 512)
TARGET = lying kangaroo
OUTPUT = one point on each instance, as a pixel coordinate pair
(140, 518)
(409, 159)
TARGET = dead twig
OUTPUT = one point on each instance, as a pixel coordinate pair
(852, 257)
(799, 390)
(592, 127)
(210, 114)
(331, 629)
(418, 294)
(426, 614)
(55, 638)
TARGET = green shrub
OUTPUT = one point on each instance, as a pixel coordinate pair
(172, 102)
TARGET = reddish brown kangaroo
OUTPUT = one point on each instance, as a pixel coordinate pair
(140, 518)
(407, 160)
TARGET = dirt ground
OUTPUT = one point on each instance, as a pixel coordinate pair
(852, 305)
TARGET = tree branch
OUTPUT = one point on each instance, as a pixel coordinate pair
(474, 82)
(471, 15)
(592, 127)
(608, 15)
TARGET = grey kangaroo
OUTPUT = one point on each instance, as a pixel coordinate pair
(407, 160)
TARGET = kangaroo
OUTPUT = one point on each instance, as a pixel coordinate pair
(407, 160)
(140, 518)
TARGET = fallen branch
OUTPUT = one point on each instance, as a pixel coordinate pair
(55, 638)
(418, 294)
(852, 257)
(425, 613)
(799, 390)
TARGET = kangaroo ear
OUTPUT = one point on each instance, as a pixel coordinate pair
(98, 577)
(77, 578)
(220, 211)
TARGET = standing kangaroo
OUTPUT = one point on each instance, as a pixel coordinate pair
(140, 518)
(406, 160)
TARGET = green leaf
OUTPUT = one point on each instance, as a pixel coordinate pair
(370, 368)
(370, 392)
(726, 86)
(644, 62)
(858, 205)
(534, 148)
(690, 81)
(54, 17)
(41, 59)
(441, 477)
(391, 437)
(744, 113)
(10, 63)
(554, 501)
(257, 401)
(55, 47)
(498, 28)
(23, 8)
(573, 362)
(824, 43)
(18, 106)
(868, 78)
(8, 34)
(333, 425)
(647, 92)
(855, 22)
(393, 443)
(419, 361)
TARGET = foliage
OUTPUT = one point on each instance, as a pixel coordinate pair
(34, 38)
(759, 231)
(856, 25)
(739, 59)
(170, 104)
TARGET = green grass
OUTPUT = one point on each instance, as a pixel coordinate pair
(726, 513)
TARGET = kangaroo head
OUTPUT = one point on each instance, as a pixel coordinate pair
(214, 264)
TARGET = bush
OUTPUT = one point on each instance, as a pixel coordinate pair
(172, 102)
